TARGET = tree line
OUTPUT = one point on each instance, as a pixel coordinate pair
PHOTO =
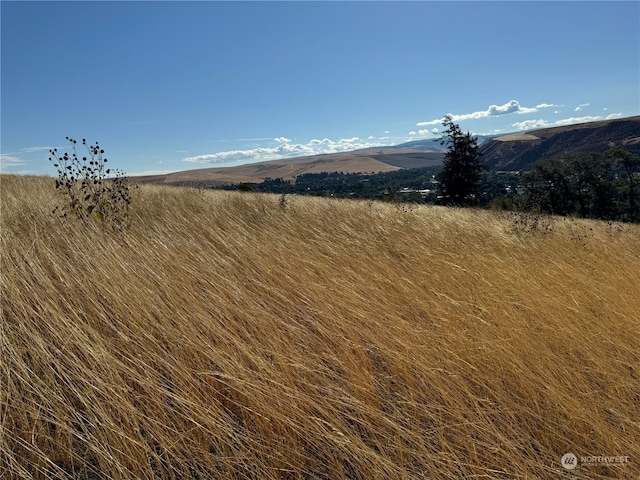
(379, 186)
(597, 185)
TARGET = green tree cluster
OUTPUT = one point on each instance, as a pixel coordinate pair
(597, 185)
(380, 186)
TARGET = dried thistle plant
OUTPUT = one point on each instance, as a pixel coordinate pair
(90, 189)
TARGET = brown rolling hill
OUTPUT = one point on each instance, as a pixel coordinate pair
(361, 161)
(372, 160)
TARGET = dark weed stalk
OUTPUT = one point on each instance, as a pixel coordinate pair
(89, 189)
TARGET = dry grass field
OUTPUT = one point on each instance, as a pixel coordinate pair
(245, 336)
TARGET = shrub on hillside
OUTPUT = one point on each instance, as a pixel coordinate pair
(88, 188)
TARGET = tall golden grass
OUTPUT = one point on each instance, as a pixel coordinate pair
(239, 335)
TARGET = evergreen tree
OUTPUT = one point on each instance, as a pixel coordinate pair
(461, 173)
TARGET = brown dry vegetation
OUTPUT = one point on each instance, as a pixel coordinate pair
(230, 335)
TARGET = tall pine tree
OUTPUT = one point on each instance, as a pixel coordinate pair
(460, 177)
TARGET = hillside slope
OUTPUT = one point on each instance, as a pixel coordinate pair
(521, 151)
(238, 336)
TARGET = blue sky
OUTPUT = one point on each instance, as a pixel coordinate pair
(169, 86)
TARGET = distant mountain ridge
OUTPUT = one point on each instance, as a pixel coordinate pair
(513, 151)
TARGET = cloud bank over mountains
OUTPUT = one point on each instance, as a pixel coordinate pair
(514, 107)
(542, 115)
(284, 147)
(493, 111)
(541, 123)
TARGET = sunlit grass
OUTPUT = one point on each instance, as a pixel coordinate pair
(233, 335)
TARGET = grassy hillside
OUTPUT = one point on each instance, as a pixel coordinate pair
(231, 335)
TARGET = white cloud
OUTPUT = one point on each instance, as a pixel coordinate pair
(35, 149)
(493, 111)
(572, 120)
(530, 124)
(590, 118)
(258, 139)
(511, 107)
(580, 107)
(285, 149)
(261, 153)
(437, 121)
(422, 133)
(8, 161)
